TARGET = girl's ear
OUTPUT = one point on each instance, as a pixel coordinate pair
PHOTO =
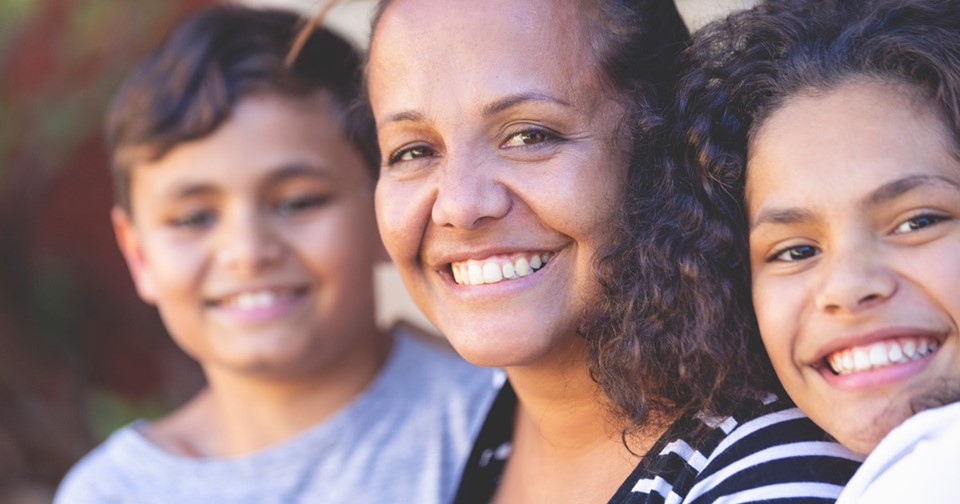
(129, 242)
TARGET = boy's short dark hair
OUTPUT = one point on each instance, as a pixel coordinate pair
(188, 87)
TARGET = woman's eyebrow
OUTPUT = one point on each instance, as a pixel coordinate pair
(516, 99)
(896, 188)
(405, 116)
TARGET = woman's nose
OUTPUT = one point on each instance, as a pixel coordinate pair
(468, 193)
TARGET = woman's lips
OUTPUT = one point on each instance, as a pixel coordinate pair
(498, 268)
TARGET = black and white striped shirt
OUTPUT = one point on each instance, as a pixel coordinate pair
(770, 453)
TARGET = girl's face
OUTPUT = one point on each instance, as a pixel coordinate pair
(502, 168)
(853, 201)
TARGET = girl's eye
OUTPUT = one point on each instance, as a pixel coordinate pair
(194, 220)
(298, 204)
(410, 154)
(918, 222)
(529, 137)
(797, 253)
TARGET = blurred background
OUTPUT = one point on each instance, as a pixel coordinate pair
(80, 355)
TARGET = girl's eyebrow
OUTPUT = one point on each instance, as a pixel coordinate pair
(405, 116)
(781, 216)
(880, 196)
(896, 188)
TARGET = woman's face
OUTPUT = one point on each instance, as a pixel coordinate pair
(853, 201)
(502, 169)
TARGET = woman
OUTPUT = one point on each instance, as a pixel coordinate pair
(506, 129)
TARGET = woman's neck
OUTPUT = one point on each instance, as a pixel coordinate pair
(567, 444)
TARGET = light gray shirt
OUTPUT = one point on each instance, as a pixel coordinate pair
(403, 440)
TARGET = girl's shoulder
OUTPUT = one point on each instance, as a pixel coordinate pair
(767, 450)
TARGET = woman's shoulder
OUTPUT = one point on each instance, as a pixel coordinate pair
(767, 450)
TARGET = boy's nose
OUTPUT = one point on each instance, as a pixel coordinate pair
(249, 245)
(468, 194)
(855, 282)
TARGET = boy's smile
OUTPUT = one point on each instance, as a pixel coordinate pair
(257, 242)
(853, 201)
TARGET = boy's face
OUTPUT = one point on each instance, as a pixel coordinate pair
(256, 243)
(853, 202)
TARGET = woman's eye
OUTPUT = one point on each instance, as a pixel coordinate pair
(529, 137)
(301, 203)
(918, 222)
(410, 154)
(194, 220)
(797, 253)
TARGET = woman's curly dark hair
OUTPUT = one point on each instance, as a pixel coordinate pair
(677, 331)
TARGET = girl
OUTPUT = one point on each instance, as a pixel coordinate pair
(830, 129)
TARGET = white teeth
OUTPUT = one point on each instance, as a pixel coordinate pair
(879, 355)
(475, 274)
(253, 300)
(492, 271)
(523, 267)
(509, 271)
(895, 354)
(847, 361)
(910, 348)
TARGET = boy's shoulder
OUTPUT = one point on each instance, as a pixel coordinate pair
(102, 474)
(423, 357)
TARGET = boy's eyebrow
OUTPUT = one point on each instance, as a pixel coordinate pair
(300, 169)
(892, 190)
(781, 216)
(288, 171)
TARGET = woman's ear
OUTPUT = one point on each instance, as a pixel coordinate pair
(129, 242)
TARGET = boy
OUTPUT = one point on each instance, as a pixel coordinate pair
(245, 214)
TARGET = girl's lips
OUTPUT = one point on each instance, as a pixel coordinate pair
(878, 358)
(880, 354)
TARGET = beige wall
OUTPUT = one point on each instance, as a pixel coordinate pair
(351, 18)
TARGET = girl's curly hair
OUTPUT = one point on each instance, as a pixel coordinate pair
(676, 331)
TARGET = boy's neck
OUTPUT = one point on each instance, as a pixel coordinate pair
(238, 414)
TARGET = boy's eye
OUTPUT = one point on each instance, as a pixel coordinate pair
(410, 153)
(301, 203)
(194, 220)
(918, 222)
(529, 137)
(797, 253)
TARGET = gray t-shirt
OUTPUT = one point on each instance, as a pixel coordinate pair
(403, 440)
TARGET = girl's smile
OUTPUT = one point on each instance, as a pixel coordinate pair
(853, 200)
